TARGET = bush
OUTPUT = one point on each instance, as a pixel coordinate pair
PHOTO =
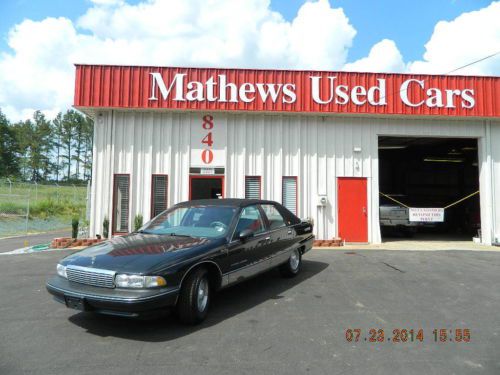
(46, 208)
(105, 227)
(74, 226)
(137, 222)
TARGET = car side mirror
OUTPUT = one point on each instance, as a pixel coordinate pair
(245, 234)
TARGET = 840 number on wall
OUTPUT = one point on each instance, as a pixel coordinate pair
(208, 141)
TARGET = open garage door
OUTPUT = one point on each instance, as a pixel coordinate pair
(431, 174)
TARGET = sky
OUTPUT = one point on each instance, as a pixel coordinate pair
(40, 40)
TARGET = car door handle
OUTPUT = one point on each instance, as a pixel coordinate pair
(265, 240)
(289, 231)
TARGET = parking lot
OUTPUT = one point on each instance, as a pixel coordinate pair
(271, 325)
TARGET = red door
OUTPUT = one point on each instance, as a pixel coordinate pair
(353, 212)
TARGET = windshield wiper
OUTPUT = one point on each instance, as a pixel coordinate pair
(179, 235)
(143, 232)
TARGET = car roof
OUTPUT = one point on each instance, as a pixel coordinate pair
(235, 202)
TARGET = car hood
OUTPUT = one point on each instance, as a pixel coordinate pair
(138, 253)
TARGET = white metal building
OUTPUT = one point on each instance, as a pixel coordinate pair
(151, 153)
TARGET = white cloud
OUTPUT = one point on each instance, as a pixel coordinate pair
(383, 57)
(467, 38)
(38, 72)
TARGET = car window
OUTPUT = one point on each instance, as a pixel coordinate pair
(195, 221)
(274, 217)
(250, 218)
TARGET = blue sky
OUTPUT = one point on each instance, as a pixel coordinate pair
(409, 23)
(426, 36)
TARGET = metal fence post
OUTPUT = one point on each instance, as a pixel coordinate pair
(88, 200)
(36, 191)
(27, 215)
(10, 186)
(57, 185)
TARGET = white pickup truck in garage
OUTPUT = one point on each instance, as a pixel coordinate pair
(396, 219)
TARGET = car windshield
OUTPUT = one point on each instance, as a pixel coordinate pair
(194, 221)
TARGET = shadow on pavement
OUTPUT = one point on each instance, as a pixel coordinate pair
(226, 304)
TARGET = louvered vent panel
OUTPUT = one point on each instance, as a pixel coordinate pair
(290, 193)
(122, 203)
(160, 187)
(252, 187)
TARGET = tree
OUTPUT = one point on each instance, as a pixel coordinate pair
(35, 144)
(67, 140)
(57, 125)
(43, 146)
(78, 126)
(88, 131)
(9, 159)
(23, 132)
(38, 149)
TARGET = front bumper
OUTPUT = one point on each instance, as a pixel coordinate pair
(122, 302)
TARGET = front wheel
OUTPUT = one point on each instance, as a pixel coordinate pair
(194, 298)
(292, 267)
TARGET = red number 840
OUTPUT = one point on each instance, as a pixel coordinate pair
(207, 155)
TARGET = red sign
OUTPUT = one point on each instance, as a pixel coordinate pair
(285, 91)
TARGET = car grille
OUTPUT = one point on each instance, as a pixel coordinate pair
(91, 276)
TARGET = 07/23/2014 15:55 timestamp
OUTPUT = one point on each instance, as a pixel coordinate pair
(403, 335)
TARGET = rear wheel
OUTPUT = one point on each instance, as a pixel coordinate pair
(194, 298)
(292, 267)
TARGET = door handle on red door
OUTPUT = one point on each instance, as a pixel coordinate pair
(364, 210)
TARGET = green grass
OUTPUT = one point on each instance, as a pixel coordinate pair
(44, 192)
(50, 206)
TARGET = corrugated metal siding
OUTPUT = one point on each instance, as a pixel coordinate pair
(495, 178)
(130, 87)
(316, 149)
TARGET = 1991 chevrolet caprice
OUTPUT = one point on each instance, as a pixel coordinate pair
(181, 257)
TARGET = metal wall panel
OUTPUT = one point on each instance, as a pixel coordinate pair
(98, 86)
(316, 149)
(494, 178)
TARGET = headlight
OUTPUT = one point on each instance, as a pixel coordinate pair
(61, 271)
(136, 281)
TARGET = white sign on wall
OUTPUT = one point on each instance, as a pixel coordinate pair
(427, 215)
(208, 141)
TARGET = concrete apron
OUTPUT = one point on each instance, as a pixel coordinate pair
(415, 245)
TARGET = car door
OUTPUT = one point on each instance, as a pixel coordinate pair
(281, 234)
(245, 258)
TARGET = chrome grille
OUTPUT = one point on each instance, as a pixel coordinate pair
(91, 276)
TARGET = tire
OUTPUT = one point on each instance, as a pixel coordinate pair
(292, 267)
(190, 308)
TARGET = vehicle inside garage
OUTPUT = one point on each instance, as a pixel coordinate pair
(429, 172)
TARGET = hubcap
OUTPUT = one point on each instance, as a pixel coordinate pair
(294, 260)
(202, 299)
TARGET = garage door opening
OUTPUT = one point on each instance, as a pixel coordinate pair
(428, 173)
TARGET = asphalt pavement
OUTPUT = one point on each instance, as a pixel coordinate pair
(271, 325)
(14, 243)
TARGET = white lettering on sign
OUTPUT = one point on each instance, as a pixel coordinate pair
(434, 97)
(341, 94)
(427, 215)
(212, 91)
(208, 143)
(412, 92)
